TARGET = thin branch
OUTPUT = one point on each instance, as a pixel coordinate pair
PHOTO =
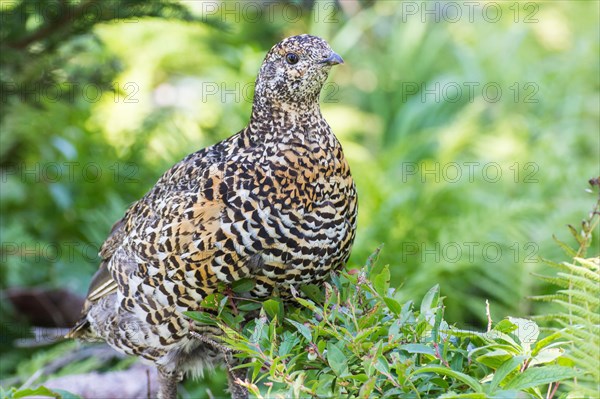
(64, 20)
(489, 316)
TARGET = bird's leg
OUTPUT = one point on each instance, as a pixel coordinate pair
(237, 391)
(203, 338)
(167, 383)
(233, 375)
(230, 294)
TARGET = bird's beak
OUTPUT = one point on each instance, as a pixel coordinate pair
(333, 59)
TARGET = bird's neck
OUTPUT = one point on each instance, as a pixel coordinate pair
(276, 120)
(273, 105)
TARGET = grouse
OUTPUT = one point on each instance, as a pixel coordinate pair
(275, 203)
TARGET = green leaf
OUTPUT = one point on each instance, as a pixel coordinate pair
(367, 388)
(40, 391)
(259, 332)
(302, 329)
(43, 391)
(505, 394)
(430, 300)
(249, 306)
(453, 395)
(66, 395)
(382, 365)
(359, 377)
(536, 376)
(222, 305)
(504, 370)
(441, 382)
(313, 292)
(527, 331)
(407, 314)
(325, 384)
(372, 266)
(273, 308)
(393, 393)
(337, 360)
(470, 381)
(381, 281)
(393, 305)
(494, 358)
(308, 304)
(202, 317)
(211, 301)
(288, 342)
(505, 326)
(243, 285)
(417, 348)
(547, 355)
(549, 341)
(439, 314)
(394, 331)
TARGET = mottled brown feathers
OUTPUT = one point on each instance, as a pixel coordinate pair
(274, 202)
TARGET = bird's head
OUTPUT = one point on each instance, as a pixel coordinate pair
(294, 72)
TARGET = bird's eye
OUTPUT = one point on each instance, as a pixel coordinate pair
(292, 58)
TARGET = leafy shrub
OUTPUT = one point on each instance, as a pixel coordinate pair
(578, 317)
(353, 338)
(40, 391)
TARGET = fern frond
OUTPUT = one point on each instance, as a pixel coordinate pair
(579, 315)
(568, 250)
(580, 300)
(558, 281)
(591, 264)
(544, 298)
(588, 299)
(582, 272)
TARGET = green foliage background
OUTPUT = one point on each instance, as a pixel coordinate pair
(95, 111)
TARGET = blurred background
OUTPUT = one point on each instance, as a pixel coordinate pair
(471, 130)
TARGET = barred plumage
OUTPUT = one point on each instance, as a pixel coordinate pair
(274, 202)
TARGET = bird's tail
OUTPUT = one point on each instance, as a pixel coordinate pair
(42, 336)
(79, 330)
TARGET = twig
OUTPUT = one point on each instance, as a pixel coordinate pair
(32, 378)
(102, 352)
(525, 365)
(211, 342)
(65, 19)
(489, 316)
(315, 348)
(551, 390)
(230, 294)
(591, 223)
(439, 356)
(148, 394)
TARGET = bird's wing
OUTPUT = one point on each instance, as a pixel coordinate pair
(181, 206)
(170, 192)
(102, 281)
